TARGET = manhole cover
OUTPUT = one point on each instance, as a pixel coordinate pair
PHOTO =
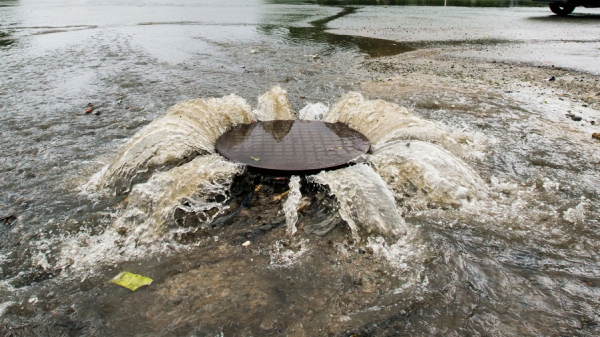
(292, 145)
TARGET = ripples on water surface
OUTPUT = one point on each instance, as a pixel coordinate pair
(496, 227)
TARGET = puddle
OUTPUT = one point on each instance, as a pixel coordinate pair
(318, 34)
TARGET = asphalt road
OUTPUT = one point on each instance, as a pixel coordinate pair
(531, 35)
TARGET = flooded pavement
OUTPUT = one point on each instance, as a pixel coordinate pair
(524, 34)
(475, 212)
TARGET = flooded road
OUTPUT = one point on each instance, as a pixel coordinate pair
(474, 213)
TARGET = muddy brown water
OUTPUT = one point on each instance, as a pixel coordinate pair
(523, 263)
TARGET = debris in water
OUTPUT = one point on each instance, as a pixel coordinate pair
(552, 78)
(278, 197)
(255, 158)
(246, 244)
(576, 118)
(596, 135)
(90, 108)
(304, 204)
(131, 281)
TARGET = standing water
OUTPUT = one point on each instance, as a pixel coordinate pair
(453, 225)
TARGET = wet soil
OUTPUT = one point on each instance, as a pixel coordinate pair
(580, 88)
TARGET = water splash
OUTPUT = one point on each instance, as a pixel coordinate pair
(290, 207)
(364, 199)
(82, 253)
(426, 174)
(313, 112)
(384, 122)
(404, 256)
(187, 130)
(198, 188)
(274, 105)
(282, 257)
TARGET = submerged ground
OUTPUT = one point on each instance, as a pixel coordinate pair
(516, 87)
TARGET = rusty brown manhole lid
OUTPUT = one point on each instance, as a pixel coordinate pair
(292, 145)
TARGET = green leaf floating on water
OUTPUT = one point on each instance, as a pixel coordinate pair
(255, 158)
(131, 281)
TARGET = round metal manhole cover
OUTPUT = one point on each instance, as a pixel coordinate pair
(286, 145)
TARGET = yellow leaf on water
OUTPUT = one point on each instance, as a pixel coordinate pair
(131, 281)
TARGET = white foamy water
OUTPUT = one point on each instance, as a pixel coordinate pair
(281, 257)
(425, 174)
(147, 225)
(192, 188)
(290, 207)
(366, 204)
(83, 252)
(384, 122)
(274, 105)
(313, 112)
(188, 129)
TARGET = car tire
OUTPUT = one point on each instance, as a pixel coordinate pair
(561, 9)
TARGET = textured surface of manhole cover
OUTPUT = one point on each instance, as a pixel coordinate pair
(284, 145)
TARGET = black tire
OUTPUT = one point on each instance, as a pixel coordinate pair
(561, 9)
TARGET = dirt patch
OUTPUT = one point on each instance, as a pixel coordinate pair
(469, 74)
